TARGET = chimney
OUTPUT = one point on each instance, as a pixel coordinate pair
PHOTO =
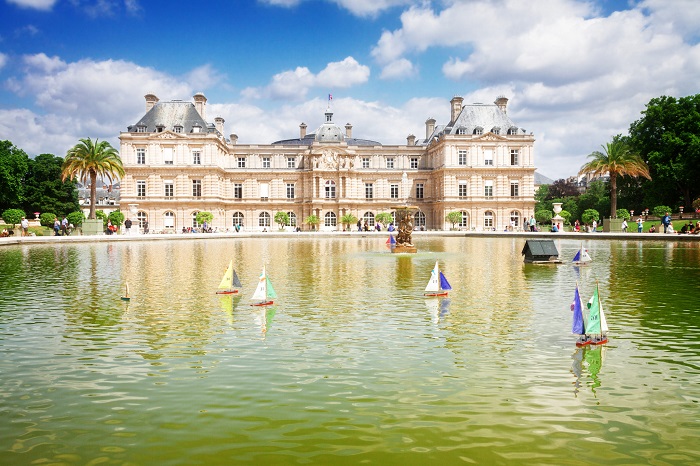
(302, 130)
(502, 102)
(456, 107)
(200, 103)
(219, 123)
(151, 100)
(411, 140)
(348, 130)
(233, 138)
(429, 127)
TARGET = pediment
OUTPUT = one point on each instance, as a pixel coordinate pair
(169, 135)
(490, 137)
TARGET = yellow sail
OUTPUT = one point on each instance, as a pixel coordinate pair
(227, 281)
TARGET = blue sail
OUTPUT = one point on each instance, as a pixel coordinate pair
(578, 327)
(444, 284)
(577, 257)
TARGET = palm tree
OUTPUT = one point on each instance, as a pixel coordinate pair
(88, 160)
(617, 159)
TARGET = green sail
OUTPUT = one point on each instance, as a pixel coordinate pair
(270, 291)
(593, 326)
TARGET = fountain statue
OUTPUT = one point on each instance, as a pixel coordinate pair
(404, 218)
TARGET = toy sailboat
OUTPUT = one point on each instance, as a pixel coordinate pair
(391, 242)
(438, 284)
(597, 326)
(230, 281)
(582, 256)
(127, 296)
(264, 292)
(579, 325)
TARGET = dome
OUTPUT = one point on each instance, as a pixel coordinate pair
(329, 131)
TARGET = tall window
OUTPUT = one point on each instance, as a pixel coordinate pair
(368, 217)
(292, 219)
(330, 219)
(266, 162)
(290, 190)
(365, 162)
(420, 188)
(195, 224)
(264, 219)
(394, 191)
(462, 189)
(169, 188)
(464, 219)
(514, 153)
(330, 189)
(462, 157)
(264, 191)
(488, 188)
(414, 162)
(238, 191)
(141, 218)
(369, 191)
(488, 156)
(169, 220)
(241, 162)
(141, 156)
(515, 218)
(488, 219)
(196, 157)
(419, 219)
(140, 189)
(168, 155)
(514, 189)
(291, 162)
(390, 162)
(237, 219)
(196, 188)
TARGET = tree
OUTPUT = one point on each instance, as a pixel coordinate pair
(617, 159)
(667, 137)
(44, 190)
(596, 197)
(13, 217)
(76, 218)
(660, 210)
(116, 217)
(589, 215)
(384, 218)
(454, 218)
(46, 219)
(204, 217)
(312, 220)
(282, 218)
(543, 216)
(347, 220)
(88, 160)
(560, 189)
(13, 168)
(623, 214)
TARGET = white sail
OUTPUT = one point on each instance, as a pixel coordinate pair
(603, 322)
(227, 278)
(434, 282)
(261, 291)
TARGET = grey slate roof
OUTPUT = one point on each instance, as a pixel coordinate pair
(484, 116)
(309, 139)
(171, 114)
(540, 179)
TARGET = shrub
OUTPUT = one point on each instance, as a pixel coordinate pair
(566, 215)
(543, 216)
(13, 216)
(76, 218)
(116, 217)
(46, 219)
(623, 213)
(203, 217)
(281, 218)
(660, 210)
(696, 204)
(589, 215)
(454, 218)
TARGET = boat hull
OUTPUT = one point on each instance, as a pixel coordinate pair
(124, 298)
(227, 292)
(602, 341)
(441, 293)
(264, 303)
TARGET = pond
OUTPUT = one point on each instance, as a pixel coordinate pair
(351, 364)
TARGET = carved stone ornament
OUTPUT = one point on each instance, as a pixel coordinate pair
(166, 136)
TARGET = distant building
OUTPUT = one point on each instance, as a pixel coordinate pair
(106, 199)
(480, 163)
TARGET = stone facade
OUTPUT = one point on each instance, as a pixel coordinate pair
(177, 164)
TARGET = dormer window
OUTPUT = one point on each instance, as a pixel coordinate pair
(159, 128)
(478, 130)
(512, 130)
(496, 130)
(178, 129)
(141, 129)
(196, 128)
(462, 130)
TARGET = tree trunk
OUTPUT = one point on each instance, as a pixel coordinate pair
(613, 195)
(93, 194)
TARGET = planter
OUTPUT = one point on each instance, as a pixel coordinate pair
(93, 227)
(613, 225)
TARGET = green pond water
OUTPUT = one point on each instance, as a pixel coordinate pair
(351, 365)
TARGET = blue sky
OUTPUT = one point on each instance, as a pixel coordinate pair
(576, 72)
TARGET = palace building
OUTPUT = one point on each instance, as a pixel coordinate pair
(177, 164)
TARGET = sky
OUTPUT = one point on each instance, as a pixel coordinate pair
(575, 72)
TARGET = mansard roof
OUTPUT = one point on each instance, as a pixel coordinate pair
(309, 139)
(486, 117)
(168, 115)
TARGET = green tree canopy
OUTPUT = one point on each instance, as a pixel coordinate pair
(13, 216)
(543, 216)
(589, 215)
(384, 217)
(281, 218)
(44, 189)
(348, 219)
(116, 217)
(13, 168)
(616, 160)
(312, 220)
(667, 136)
(204, 216)
(454, 217)
(87, 160)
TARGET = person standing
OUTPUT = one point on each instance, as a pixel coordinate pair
(532, 223)
(624, 225)
(127, 226)
(25, 226)
(56, 226)
(640, 225)
(666, 221)
(594, 228)
(145, 227)
(64, 226)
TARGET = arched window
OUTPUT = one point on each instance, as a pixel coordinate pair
(330, 189)
(292, 219)
(238, 219)
(330, 219)
(488, 219)
(141, 218)
(264, 219)
(464, 219)
(194, 220)
(419, 219)
(368, 217)
(515, 218)
(169, 220)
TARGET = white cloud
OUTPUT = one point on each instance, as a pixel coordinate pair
(3, 60)
(34, 4)
(399, 69)
(295, 84)
(356, 7)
